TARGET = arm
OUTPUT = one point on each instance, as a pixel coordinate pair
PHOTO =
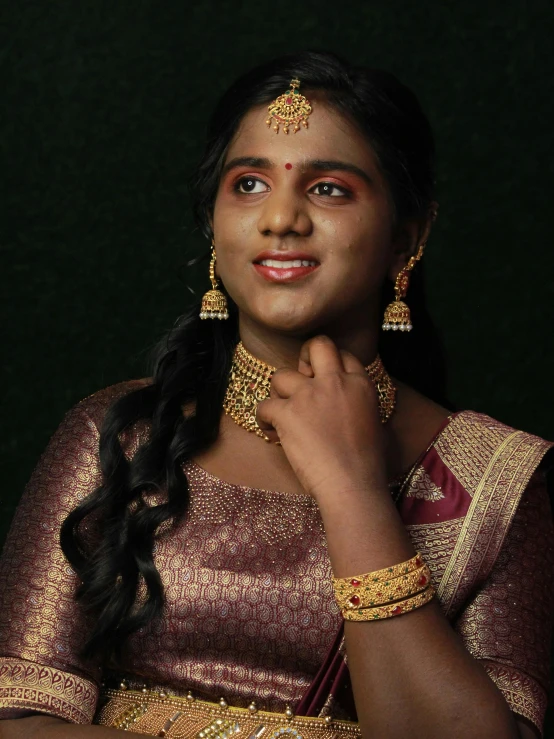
(411, 674)
(48, 727)
(507, 623)
(41, 625)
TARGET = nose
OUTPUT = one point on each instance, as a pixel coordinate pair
(284, 213)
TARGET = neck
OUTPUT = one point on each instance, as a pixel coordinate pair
(280, 349)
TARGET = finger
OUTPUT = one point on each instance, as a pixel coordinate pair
(322, 355)
(305, 368)
(285, 382)
(267, 411)
(272, 436)
(351, 363)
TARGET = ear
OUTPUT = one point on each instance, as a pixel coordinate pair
(408, 237)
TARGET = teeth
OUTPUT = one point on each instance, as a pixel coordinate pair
(287, 265)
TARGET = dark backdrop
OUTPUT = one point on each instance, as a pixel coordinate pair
(104, 107)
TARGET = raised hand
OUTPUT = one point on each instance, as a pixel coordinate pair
(326, 417)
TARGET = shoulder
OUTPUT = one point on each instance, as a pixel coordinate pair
(69, 467)
(77, 435)
(476, 467)
(487, 466)
(476, 440)
(479, 476)
(94, 406)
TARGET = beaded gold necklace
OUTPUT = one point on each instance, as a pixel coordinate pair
(250, 380)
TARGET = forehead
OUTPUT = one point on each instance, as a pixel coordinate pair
(330, 136)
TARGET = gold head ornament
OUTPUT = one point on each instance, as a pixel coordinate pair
(289, 109)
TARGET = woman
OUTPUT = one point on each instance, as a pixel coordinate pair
(201, 557)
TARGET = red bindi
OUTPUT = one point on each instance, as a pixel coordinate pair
(288, 165)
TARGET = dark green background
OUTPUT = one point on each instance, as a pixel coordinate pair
(103, 115)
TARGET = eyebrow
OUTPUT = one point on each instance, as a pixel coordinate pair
(321, 165)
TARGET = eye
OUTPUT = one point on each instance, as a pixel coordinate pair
(329, 189)
(250, 185)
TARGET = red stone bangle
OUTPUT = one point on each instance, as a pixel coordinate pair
(369, 594)
(393, 609)
(387, 573)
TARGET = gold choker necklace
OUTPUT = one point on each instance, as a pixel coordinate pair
(250, 380)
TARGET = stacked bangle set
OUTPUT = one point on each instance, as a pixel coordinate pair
(384, 593)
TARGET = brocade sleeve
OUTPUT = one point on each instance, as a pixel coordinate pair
(41, 626)
(508, 623)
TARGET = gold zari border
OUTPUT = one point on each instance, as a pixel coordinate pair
(33, 687)
(523, 694)
(493, 505)
(176, 717)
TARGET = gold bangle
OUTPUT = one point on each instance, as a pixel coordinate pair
(387, 573)
(390, 610)
(381, 593)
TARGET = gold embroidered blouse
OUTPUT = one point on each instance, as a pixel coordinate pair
(250, 613)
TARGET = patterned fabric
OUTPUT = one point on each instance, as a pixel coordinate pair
(25, 685)
(493, 528)
(421, 486)
(509, 620)
(506, 615)
(249, 612)
(41, 628)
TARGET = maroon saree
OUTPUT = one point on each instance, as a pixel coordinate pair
(249, 609)
(477, 508)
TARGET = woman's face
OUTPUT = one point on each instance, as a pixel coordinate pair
(318, 192)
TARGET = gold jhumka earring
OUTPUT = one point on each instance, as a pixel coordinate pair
(397, 314)
(290, 109)
(214, 302)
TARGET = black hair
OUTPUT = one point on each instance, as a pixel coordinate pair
(192, 363)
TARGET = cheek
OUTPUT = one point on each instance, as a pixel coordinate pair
(362, 239)
(365, 220)
(231, 224)
(363, 260)
(233, 258)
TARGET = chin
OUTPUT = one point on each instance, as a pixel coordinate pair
(289, 314)
(292, 324)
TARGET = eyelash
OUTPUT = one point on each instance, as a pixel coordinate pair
(343, 190)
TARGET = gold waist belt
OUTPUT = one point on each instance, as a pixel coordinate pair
(189, 718)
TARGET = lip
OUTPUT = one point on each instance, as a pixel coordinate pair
(285, 256)
(290, 274)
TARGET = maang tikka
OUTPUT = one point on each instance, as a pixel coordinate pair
(214, 302)
(289, 109)
(397, 314)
